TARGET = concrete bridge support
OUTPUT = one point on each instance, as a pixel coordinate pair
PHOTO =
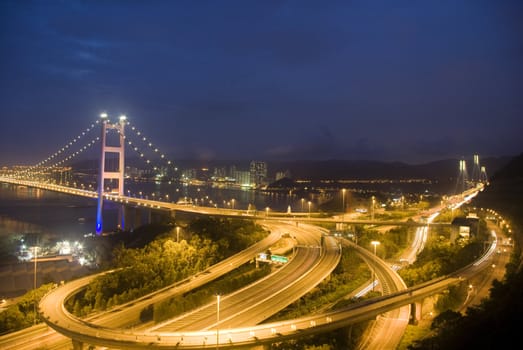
(77, 345)
(132, 217)
(122, 218)
(415, 312)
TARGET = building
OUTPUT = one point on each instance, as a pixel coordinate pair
(242, 178)
(258, 173)
(283, 174)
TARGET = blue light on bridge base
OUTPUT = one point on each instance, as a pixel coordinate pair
(98, 228)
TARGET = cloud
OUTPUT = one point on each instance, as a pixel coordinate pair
(64, 72)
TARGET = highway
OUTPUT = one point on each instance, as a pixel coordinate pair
(265, 333)
(128, 314)
(309, 325)
(311, 262)
(253, 304)
(233, 337)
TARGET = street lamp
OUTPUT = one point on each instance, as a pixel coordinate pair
(373, 201)
(302, 201)
(267, 212)
(343, 204)
(34, 288)
(374, 243)
(309, 203)
(232, 200)
(177, 234)
(217, 320)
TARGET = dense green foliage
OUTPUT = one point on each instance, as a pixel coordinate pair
(21, 314)
(439, 258)
(392, 242)
(165, 261)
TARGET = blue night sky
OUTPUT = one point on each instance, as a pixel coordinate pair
(411, 81)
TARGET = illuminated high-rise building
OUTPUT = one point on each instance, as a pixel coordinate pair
(258, 172)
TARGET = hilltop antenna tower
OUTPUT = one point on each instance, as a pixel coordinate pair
(111, 175)
(461, 184)
(476, 169)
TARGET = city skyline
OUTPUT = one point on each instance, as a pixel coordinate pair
(406, 82)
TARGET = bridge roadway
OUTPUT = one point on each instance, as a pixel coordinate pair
(233, 213)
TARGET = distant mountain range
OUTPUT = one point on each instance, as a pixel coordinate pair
(364, 169)
(339, 169)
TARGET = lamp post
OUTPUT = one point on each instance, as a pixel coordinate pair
(177, 234)
(374, 243)
(302, 201)
(343, 204)
(232, 201)
(373, 201)
(309, 203)
(217, 320)
(267, 212)
(34, 287)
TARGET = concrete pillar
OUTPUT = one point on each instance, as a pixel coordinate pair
(415, 312)
(261, 347)
(77, 345)
(128, 213)
(122, 217)
(137, 217)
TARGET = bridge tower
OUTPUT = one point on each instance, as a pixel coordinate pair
(111, 174)
(483, 175)
(462, 182)
(476, 169)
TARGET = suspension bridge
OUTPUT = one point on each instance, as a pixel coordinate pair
(106, 182)
(53, 174)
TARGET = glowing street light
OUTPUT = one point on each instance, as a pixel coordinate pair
(309, 203)
(34, 287)
(232, 201)
(267, 212)
(302, 201)
(343, 204)
(217, 320)
(374, 243)
(373, 202)
(177, 234)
